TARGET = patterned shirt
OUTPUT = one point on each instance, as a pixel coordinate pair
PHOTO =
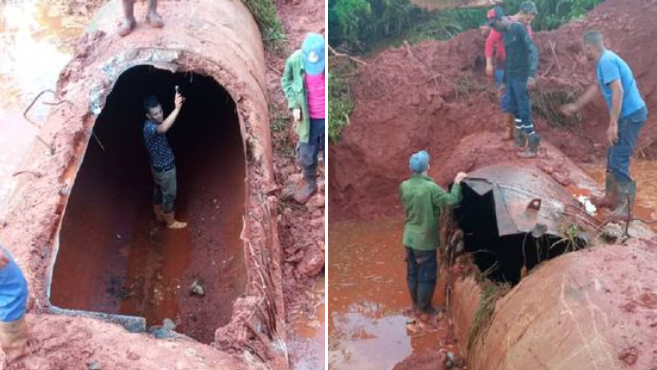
(158, 147)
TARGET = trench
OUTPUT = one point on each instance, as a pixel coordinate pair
(113, 257)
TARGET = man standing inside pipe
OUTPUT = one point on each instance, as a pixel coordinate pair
(152, 18)
(303, 85)
(521, 66)
(163, 164)
(496, 65)
(627, 115)
(424, 201)
(13, 303)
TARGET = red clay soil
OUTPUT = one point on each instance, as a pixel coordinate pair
(300, 228)
(431, 95)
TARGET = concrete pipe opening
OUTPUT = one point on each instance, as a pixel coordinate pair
(115, 258)
(110, 259)
(511, 228)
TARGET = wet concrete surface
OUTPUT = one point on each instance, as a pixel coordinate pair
(367, 299)
(34, 47)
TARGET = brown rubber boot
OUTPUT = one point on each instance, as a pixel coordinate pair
(14, 336)
(508, 123)
(310, 185)
(170, 220)
(610, 199)
(157, 211)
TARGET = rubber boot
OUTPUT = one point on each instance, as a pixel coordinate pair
(309, 185)
(626, 198)
(14, 336)
(520, 139)
(170, 220)
(610, 199)
(412, 289)
(509, 126)
(157, 211)
(531, 150)
(424, 297)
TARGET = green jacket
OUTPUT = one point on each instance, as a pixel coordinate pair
(423, 200)
(295, 92)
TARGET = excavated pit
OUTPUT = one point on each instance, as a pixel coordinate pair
(113, 257)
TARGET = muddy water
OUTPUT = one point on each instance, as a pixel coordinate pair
(34, 47)
(307, 333)
(367, 299)
(644, 173)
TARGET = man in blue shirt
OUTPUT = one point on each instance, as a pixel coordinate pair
(163, 164)
(627, 115)
(13, 302)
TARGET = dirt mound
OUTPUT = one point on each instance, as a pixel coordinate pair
(431, 95)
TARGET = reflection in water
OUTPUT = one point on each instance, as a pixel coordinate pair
(644, 173)
(306, 336)
(367, 297)
(34, 47)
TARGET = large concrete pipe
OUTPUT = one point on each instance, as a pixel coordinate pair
(104, 255)
(592, 309)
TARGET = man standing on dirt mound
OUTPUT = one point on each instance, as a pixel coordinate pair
(521, 66)
(163, 163)
(627, 115)
(496, 67)
(152, 18)
(13, 303)
(303, 85)
(424, 201)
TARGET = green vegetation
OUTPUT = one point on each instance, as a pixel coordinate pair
(340, 106)
(490, 294)
(361, 25)
(264, 12)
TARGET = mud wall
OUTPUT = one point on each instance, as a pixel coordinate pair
(218, 39)
(431, 95)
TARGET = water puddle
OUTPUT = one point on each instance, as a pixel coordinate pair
(35, 44)
(644, 173)
(367, 298)
(307, 333)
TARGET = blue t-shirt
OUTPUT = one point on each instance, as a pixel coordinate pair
(13, 291)
(159, 151)
(610, 68)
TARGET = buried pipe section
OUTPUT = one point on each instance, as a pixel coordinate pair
(515, 217)
(219, 279)
(584, 308)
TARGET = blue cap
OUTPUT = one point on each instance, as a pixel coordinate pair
(419, 162)
(313, 48)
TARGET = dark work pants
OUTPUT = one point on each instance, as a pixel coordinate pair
(165, 189)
